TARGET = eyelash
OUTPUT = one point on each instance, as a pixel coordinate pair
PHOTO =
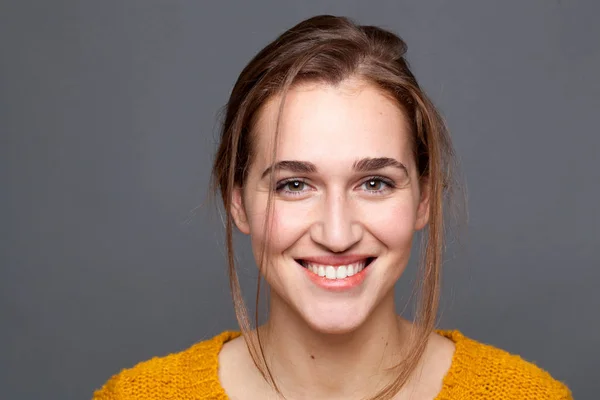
(281, 185)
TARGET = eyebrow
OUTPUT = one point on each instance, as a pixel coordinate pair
(362, 165)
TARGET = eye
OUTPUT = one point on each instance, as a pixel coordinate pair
(377, 184)
(374, 184)
(291, 186)
(295, 186)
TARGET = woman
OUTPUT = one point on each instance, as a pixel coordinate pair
(331, 159)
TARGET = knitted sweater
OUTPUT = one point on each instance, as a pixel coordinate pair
(478, 371)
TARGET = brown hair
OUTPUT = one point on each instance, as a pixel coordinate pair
(330, 49)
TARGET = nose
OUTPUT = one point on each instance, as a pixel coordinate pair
(336, 227)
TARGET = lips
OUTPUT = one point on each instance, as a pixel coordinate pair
(335, 278)
(337, 268)
(335, 260)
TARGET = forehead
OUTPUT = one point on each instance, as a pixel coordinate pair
(322, 122)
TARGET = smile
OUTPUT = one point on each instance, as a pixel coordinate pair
(334, 272)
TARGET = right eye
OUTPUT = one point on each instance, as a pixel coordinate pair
(291, 186)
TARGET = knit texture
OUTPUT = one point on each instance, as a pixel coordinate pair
(478, 371)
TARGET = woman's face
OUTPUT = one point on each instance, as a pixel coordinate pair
(346, 202)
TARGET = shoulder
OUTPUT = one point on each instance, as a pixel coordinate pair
(187, 374)
(482, 371)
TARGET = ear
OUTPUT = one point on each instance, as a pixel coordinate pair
(423, 208)
(238, 211)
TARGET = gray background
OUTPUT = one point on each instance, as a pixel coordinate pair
(108, 119)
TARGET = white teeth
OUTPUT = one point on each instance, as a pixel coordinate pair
(341, 272)
(336, 272)
(330, 272)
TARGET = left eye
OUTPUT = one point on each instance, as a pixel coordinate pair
(375, 184)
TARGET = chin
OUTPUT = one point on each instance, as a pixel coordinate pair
(334, 319)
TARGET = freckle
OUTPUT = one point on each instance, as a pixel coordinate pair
(311, 356)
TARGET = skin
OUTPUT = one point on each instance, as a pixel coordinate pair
(320, 343)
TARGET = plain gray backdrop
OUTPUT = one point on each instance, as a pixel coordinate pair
(109, 117)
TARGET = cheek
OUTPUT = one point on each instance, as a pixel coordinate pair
(392, 224)
(287, 223)
(290, 222)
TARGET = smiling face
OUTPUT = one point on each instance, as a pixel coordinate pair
(346, 204)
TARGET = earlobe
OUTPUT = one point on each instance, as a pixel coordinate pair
(238, 211)
(423, 208)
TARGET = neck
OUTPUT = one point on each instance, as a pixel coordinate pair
(310, 364)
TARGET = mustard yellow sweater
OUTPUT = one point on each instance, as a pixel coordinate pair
(478, 371)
